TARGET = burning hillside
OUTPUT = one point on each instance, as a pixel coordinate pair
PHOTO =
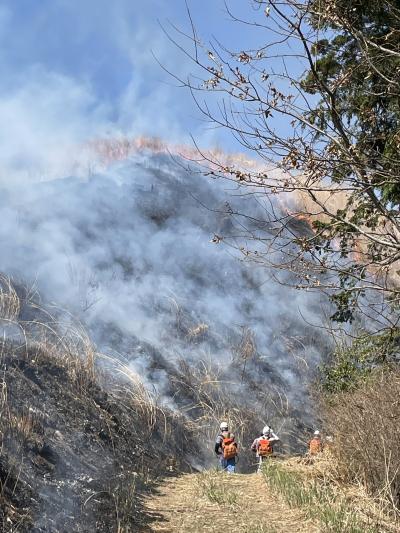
(129, 252)
(75, 455)
(196, 330)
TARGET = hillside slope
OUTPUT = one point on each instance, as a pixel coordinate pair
(132, 254)
(77, 443)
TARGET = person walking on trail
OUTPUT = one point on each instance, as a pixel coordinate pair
(263, 446)
(226, 448)
(315, 445)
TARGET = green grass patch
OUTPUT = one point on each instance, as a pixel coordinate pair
(215, 487)
(317, 500)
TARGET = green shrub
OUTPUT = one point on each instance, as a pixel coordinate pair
(351, 364)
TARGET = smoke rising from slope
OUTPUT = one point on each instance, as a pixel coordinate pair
(129, 252)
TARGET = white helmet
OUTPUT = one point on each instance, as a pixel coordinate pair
(223, 426)
(317, 433)
(266, 430)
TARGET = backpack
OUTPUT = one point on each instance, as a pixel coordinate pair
(315, 446)
(228, 446)
(264, 448)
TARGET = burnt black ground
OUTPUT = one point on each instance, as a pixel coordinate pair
(75, 458)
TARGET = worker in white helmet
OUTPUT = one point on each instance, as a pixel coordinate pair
(226, 448)
(315, 444)
(263, 445)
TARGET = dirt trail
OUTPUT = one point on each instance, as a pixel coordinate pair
(244, 505)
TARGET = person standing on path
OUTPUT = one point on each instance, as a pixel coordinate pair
(315, 445)
(226, 448)
(263, 445)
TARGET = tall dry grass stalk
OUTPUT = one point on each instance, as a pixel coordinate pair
(52, 332)
(9, 301)
(4, 412)
(133, 392)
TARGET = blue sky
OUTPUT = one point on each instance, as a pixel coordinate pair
(72, 70)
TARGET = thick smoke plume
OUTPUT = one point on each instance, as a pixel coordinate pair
(129, 251)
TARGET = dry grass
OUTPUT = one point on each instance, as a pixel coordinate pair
(211, 393)
(319, 499)
(53, 332)
(325, 471)
(212, 397)
(52, 335)
(9, 300)
(197, 332)
(212, 400)
(216, 489)
(23, 424)
(217, 502)
(124, 497)
(367, 435)
(110, 150)
(131, 391)
(246, 348)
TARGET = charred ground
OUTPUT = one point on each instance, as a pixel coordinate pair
(75, 456)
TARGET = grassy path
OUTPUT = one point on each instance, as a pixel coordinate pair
(218, 502)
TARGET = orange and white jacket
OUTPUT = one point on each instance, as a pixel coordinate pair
(271, 437)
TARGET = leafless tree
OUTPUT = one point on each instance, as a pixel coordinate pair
(321, 188)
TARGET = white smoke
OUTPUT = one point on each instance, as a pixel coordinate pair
(129, 252)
